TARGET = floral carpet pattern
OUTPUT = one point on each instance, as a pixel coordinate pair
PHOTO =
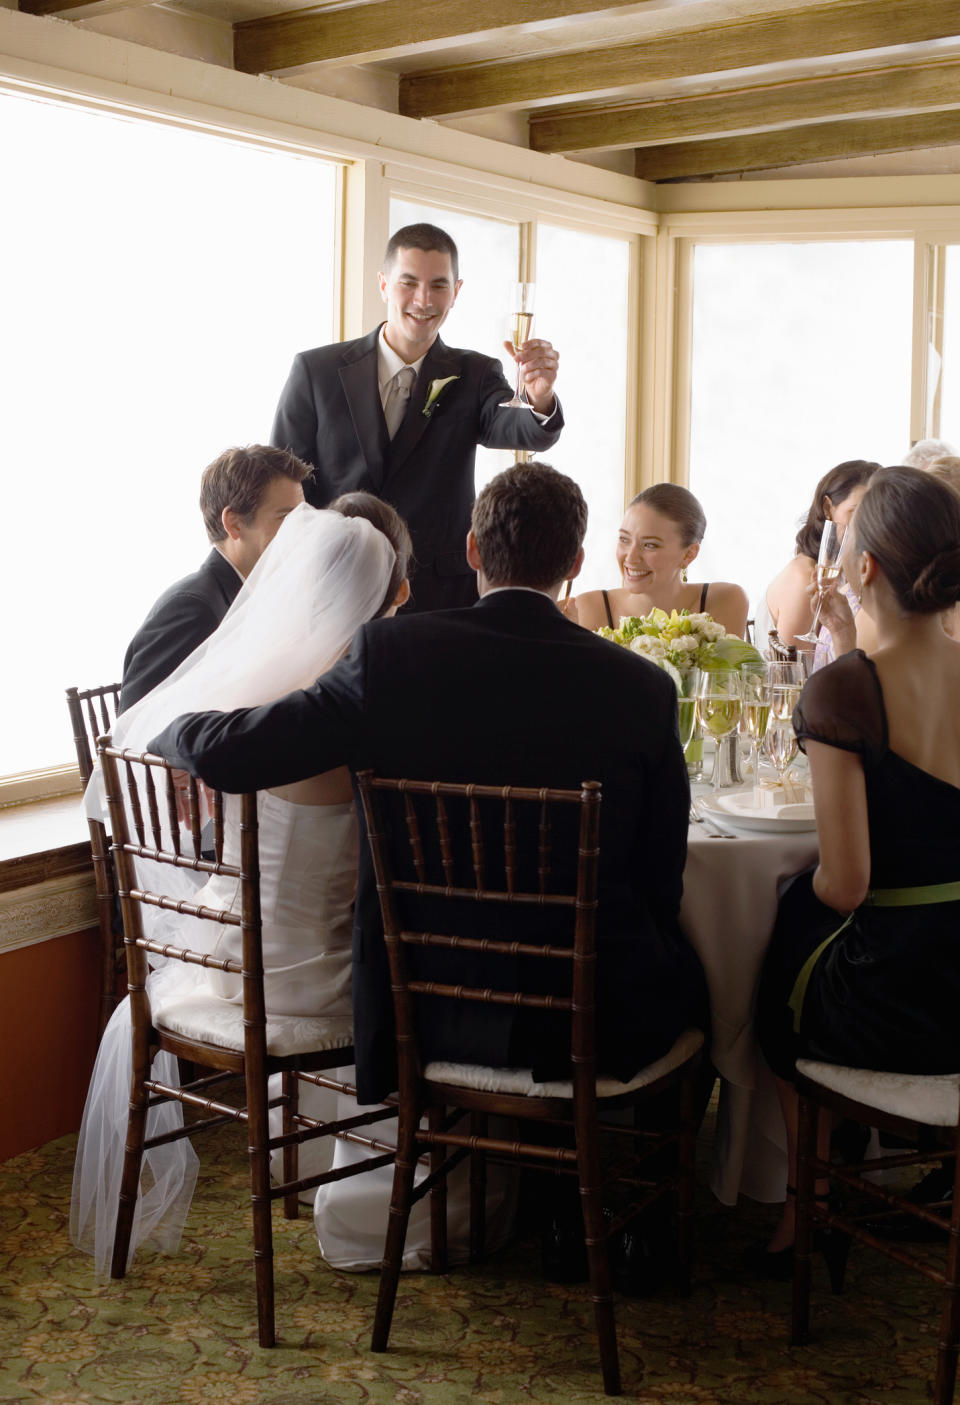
(182, 1331)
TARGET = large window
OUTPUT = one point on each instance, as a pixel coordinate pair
(950, 384)
(581, 307)
(157, 283)
(800, 360)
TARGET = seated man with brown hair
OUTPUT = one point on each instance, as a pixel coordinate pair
(244, 496)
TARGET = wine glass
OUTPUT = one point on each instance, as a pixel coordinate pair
(719, 704)
(828, 569)
(780, 746)
(521, 325)
(757, 701)
(786, 685)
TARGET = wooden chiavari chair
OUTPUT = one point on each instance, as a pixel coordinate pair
(206, 1030)
(923, 1110)
(93, 712)
(457, 845)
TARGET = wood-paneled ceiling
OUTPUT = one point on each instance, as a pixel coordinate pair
(668, 89)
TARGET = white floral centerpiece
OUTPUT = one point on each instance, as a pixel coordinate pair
(682, 643)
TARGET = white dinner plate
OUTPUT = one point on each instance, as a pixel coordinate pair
(737, 807)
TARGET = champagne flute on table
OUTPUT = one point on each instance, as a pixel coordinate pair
(719, 705)
(757, 701)
(521, 325)
(828, 570)
(780, 741)
(687, 705)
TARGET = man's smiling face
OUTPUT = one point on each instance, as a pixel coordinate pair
(418, 289)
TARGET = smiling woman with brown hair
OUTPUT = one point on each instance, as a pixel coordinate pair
(659, 538)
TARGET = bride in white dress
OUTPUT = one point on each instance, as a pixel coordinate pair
(324, 574)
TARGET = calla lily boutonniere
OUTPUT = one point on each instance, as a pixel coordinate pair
(434, 391)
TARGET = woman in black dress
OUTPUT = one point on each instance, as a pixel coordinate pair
(864, 963)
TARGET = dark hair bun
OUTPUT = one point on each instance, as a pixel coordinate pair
(938, 585)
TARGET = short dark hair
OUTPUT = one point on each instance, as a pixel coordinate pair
(387, 520)
(909, 521)
(529, 524)
(238, 479)
(836, 485)
(679, 505)
(428, 237)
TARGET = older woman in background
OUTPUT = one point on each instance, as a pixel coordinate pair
(659, 538)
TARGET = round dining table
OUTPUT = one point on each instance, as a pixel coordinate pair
(731, 887)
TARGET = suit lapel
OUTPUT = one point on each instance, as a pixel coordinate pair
(358, 376)
(439, 362)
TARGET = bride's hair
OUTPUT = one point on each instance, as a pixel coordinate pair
(909, 521)
(387, 520)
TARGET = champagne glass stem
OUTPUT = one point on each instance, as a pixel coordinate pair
(756, 772)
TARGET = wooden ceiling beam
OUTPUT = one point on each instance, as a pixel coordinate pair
(68, 8)
(359, 33)
(909, 89)
(813, 31)
(795, 146)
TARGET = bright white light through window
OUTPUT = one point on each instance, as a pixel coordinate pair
(157, 283)
(801, 359)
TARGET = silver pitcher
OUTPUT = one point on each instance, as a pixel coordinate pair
(727, 759)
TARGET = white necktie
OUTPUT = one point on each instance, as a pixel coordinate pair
(395, 406)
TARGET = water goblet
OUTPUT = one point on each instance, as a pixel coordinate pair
(521, 325)
(828, 569)
(719, 704)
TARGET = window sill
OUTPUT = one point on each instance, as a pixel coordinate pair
(42, 835)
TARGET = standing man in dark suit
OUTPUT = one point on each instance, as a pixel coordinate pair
(504, 692)
(399, 414)
(244, 496)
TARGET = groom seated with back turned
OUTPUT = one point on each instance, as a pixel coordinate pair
(506, 691)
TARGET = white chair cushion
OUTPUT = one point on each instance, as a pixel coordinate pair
(215, 1021)
(520, 1080)
(930, 1098)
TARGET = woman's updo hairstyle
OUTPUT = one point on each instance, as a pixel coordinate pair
(836, 485)
(677, 503)
(910, 523)
(387, 520)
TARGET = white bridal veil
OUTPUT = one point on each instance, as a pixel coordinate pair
(321, 577)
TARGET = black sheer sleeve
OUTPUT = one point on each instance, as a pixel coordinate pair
(842, 706)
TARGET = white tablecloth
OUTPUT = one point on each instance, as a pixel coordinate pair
(730, 891)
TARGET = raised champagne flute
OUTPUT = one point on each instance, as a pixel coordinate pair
(521, 325)
(828, 570)
(757, 702)
(719, 705)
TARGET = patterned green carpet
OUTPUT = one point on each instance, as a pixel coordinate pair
(181, 1331)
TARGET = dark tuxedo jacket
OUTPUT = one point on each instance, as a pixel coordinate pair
(330, 416)
(182, 618)
(505, 692)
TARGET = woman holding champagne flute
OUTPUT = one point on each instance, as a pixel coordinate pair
(789, 601)
(863, 967)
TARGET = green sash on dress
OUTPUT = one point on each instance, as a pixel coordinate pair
(876, 897)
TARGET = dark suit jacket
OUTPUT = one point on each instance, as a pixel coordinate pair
(507, 691)
(182, 618)
(330, 416)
